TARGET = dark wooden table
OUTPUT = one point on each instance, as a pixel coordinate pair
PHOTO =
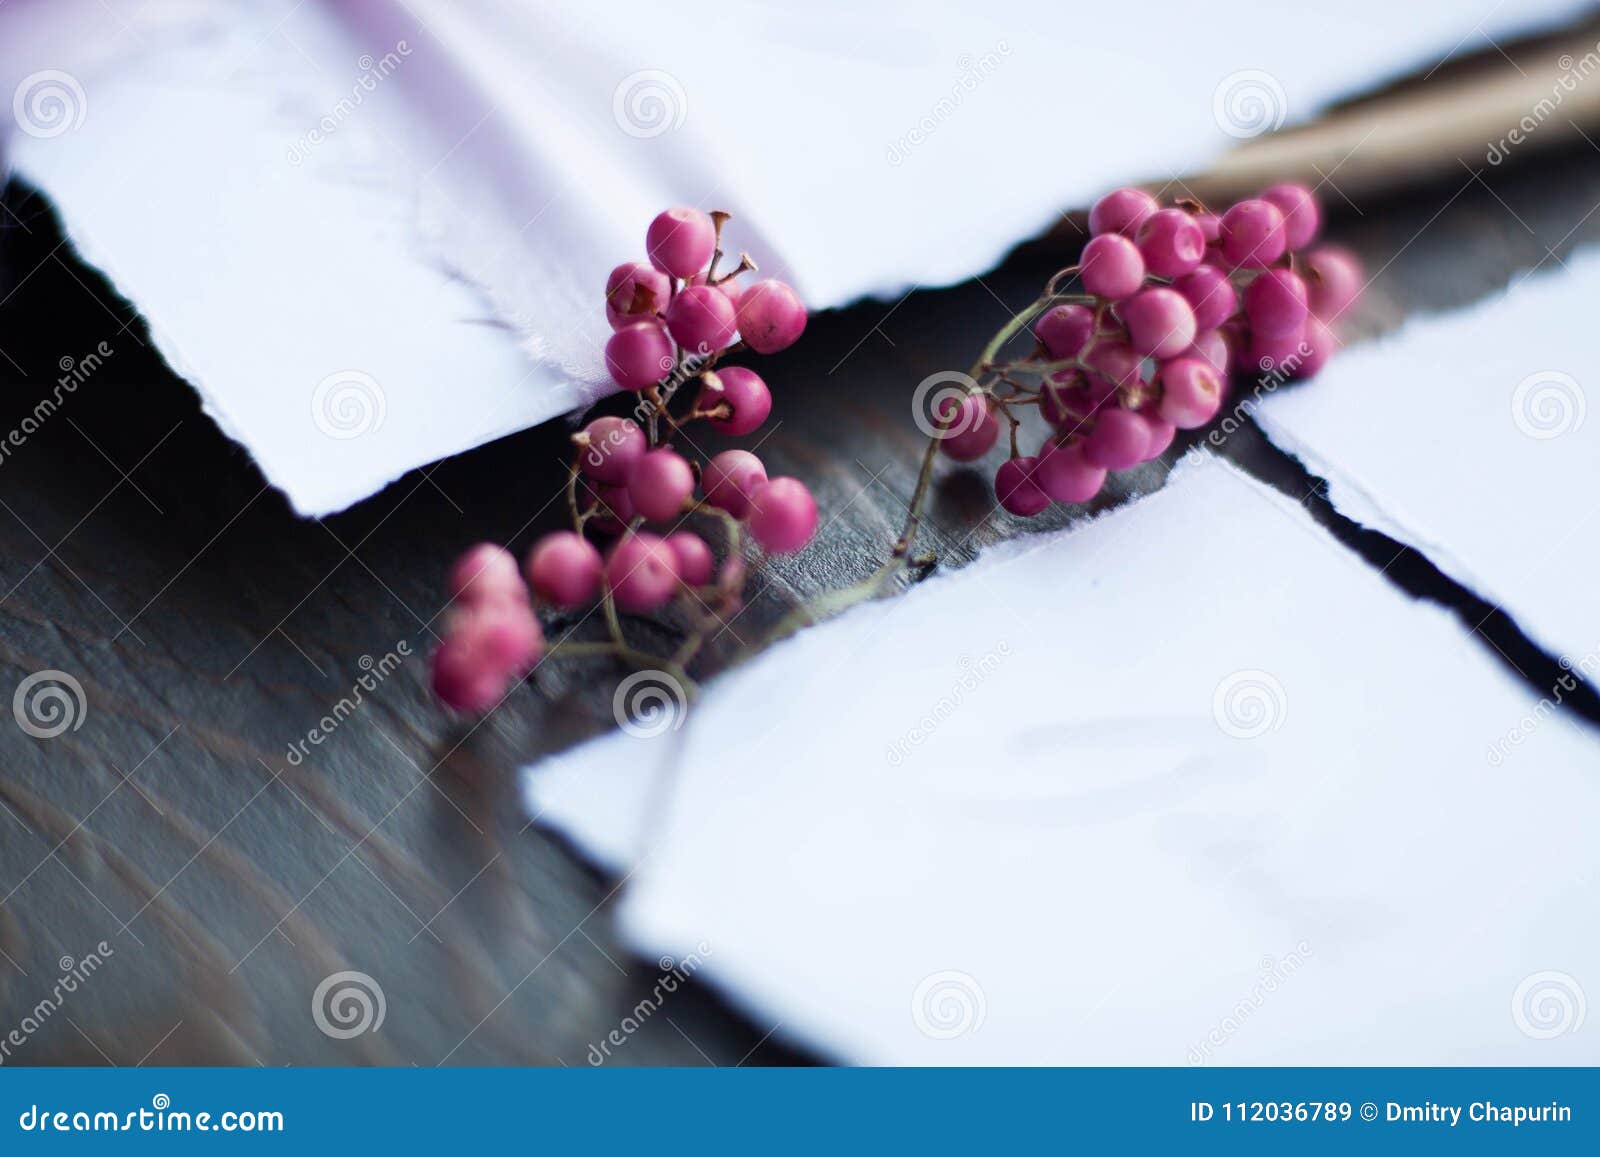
(141, 553)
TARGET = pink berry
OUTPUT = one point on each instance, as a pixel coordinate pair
(1210, 226)
(1320, 344)
(770, 317)
(730, 478)
(607, 449)
(616, 510)
(1016, 489)
(1210, 294)
(1171, 243)
(1066, 476)
(1118, 440)
(564, 569)
(1275, 303)
(1159, 431)
(660, 484)
(1115, 363)
(783, 515)
(1279, 357)
(1191, 392)
(641, 572)
(694, 557)
(680, 241)
(1212, 348)
(639, 355)
(1111, 267)
(462, 681)
(635, 292)
(1121, 211)
(1253, 234)
(503, 637)
(1160, 322)
(1064, 330)
(969, 429)
(700, 319)
(1333, 281)
(1301, 216)
(744, 391)
(486, 572)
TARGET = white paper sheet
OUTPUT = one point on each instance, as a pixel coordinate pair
(392, 220)
(1189, 784)
(1467, 436)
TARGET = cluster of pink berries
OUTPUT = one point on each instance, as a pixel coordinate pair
(1174, 298)
(674, 320)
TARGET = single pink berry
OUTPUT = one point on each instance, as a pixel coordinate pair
(969, 429)
(635, 292)
(1210, 226)
(486, 572)
(1279, 357)
(1064, 330)
(660, 484)
(1191, 392)
(783, 515)
(639, 355)
(701, 320)
(1066, 476)
(608, 447)
(1301, 215)
(1160, 322)
(641, 572)
(1253, 234)
(1333, 281)
(680, 241)
(1159, 431)
(502, 636)
(1275, 303)
(1118, 440)
(615, 511)
(564, 569)
(1121, 211)
(771, 317)
(1116, 364)
(1171, 243)
(1210, 347)
(1320, 344)
(730, 478)
(1014, 485)
(462, 681)
(1111, 267)
(744, 392)
(694, 557)
(1210, 294)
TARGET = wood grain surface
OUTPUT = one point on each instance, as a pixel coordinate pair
(141, 553)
